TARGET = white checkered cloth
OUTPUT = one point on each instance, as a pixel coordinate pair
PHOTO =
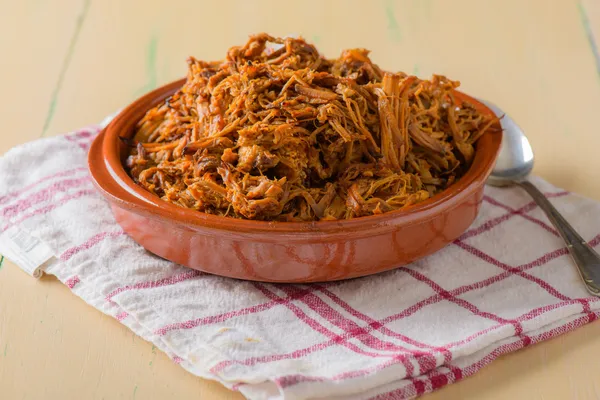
(505, 284)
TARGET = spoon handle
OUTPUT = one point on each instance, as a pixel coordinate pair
(586, 259)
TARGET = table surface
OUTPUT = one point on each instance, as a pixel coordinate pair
(69, 64)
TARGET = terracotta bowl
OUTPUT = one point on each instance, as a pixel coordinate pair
(282, 251)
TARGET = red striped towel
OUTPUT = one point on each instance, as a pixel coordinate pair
(505, 284)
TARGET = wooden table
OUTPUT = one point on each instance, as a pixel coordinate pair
(70, 63)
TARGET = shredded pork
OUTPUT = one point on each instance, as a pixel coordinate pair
(278, 132)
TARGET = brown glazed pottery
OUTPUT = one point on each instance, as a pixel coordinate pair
(283, 251)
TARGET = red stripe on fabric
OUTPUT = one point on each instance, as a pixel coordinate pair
(543, 284)
(461, 302)
(426, 361)
(433, 299)
(456, 372)
(275, 357)
(539, 222)
(72, 281)
(249, 310)
(517, 271)
(349, 327)
(486, 226)
(314, 324)
(47, 209)
(419, 387)
(320, 346)
(334, 339)
(486, 257)
(74, 140)
(412, 309)
(88, 244)
(41, 196)
(84, 134)
(531, 314)
(592, 316)
(290, 380)
(595, 241)
(199, 321)
(437, 380)
(470, 370)
(294, 379)
(527, 316)
(171, 280)
(6, 198)
(335, 318)
(512, 212)
(431, 381)
(122, 315)
(216, 318)
(379, 325)
(87, 132)
(222, 317)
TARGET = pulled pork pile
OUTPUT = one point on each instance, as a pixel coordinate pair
(277, 132)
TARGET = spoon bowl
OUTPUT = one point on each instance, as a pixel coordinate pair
(515, 161)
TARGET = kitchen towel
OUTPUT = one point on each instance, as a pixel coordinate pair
(505, 284)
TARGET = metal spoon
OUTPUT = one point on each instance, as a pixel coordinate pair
(514, 164)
